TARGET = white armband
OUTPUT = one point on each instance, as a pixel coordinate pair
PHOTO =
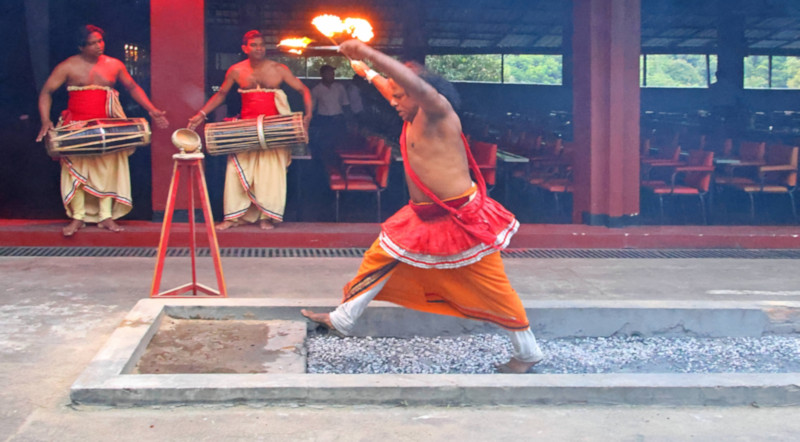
(371, 75)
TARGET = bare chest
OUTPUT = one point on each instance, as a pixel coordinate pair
(98, 74)
(263, 77)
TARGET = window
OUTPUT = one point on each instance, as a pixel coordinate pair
(482, 68)
(498, 68)
(676, 70)
(771, 72)
(532, 69)
(341, 64)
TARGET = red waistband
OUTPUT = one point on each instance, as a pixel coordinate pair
(86, 105)
(255, 104)
(430, 210)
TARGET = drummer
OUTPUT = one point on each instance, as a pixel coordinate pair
(95, 188)
(255, 181)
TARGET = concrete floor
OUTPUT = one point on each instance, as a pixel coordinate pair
(56, 313)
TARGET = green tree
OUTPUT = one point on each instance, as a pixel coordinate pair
(676, 70)
(533, 69)
(478, 68)
(785, 72)
(756, 71)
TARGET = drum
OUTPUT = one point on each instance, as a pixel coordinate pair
(257, 133)
(97, 137)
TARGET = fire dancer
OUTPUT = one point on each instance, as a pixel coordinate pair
(255, 181)
(441, 252)
(94, 188)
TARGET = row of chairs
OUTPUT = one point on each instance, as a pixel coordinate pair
(365, 167)
(758, 169)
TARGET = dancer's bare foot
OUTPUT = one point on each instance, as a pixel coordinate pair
(323, 319)
(225, 225)
(110, 224)
(72, 227)
(266, 224)
(514, 365)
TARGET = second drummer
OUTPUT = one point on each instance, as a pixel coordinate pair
(93, 188)
(255, 181)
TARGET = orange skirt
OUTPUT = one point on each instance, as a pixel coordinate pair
(477, 291)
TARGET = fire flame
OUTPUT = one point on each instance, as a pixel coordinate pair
(298, 43)
(359, 28)
(330, 25)
(294, 45)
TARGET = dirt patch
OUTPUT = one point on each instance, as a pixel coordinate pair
(224, 346)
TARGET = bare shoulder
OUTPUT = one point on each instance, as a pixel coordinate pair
(446, 126)
(113, 64)
(272, 64)
(71, 70)
(278, 68)
(236, 68)
(276, 73)
(70, 64)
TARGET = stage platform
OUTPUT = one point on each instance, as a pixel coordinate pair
(47, 233)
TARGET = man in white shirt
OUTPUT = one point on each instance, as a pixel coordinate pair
(330, 103)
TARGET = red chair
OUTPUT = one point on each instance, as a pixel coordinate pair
(751, 155)
(362, 175)
(485, 155)
(696, 180)
(369, 148)
(777, 176)
(559, 180)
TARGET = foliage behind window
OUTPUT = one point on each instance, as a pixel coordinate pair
(532, 69)
(676, 70)
(477, 68)
(785, 73)
(496, 68)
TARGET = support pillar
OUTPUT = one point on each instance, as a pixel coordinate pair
(177, 72)
(606, 44)
(731, 45)
(415, 41)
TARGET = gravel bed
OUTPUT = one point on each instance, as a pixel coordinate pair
(474, 354)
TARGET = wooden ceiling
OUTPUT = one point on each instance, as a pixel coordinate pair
(518, 26)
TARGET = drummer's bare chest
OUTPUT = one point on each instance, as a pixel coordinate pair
(99, 74)
(266, 78)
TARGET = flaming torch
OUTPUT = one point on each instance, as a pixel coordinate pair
(329, 26)
(359, 28)
(294, 45)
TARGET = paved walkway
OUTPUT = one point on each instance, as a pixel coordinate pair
(56, 313)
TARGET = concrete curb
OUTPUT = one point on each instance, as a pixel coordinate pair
(107, 380)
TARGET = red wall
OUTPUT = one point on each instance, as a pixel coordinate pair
(177, 39)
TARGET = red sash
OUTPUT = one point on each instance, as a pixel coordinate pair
(86, 105)
(258, 103)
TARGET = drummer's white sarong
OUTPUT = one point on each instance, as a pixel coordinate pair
(98, 178)
(261, 189)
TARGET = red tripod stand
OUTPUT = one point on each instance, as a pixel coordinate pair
(193, 164)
